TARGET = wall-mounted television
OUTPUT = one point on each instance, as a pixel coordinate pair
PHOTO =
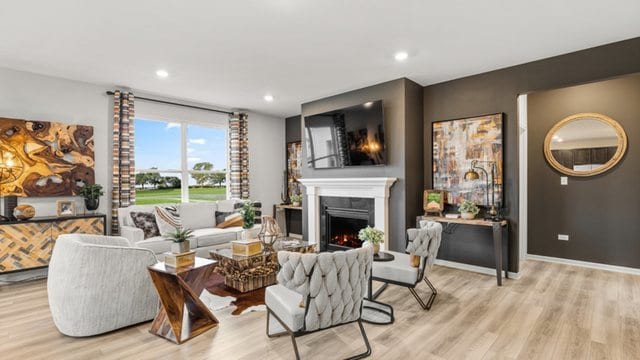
(352, 136)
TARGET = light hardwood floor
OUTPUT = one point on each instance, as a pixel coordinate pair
(553, 312)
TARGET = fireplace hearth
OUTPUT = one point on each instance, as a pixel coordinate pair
(341, 220)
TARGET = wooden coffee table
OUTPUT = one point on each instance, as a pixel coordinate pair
(248, 273)
(182, 315)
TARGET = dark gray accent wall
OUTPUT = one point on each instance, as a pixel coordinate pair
(401, 101)
(497, 91)
(292, 129)
(599, 213)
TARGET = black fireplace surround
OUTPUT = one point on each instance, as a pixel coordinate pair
(341, 218)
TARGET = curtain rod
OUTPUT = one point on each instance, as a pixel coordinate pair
(177, 104)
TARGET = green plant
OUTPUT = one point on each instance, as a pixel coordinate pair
(180, 235)
(248, 215)
(296, 198)
(93, 191)
(468, 207)
(372, 235)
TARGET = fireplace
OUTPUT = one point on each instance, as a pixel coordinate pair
(341, 220)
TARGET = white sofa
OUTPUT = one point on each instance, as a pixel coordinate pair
(199, 217)
(97, 284)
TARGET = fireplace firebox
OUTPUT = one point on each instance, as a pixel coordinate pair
(341, 218)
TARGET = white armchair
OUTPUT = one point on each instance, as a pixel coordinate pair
(97, 284)
(424, 243)
(318, 291)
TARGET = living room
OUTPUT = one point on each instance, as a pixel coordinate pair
(241, 181)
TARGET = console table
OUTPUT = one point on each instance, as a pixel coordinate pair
(283, 216)
(496, 226)
(28, 244)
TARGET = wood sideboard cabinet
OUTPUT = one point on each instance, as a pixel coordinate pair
(28, 244)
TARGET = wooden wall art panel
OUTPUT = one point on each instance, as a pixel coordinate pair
(40, 158)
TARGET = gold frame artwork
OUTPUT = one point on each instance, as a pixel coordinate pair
(615, 159)
(425, 197)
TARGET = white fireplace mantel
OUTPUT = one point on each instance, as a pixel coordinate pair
(374, 188)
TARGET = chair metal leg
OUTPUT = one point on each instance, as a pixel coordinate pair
(379, 291)
(366, 342)
(434, 292)
(277, 334)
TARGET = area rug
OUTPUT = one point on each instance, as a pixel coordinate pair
(218, 296)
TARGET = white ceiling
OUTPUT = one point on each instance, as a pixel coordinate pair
(231, 53)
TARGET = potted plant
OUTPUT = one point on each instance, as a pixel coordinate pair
(374, 236)
(248, 220)
(180, 238)
(91, 194)
(468, 209)
(296, 199)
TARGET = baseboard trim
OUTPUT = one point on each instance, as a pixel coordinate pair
(474, 268)
(586, 264)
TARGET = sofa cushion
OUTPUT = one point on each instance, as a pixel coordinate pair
(214, 236)
(168, 219)
(399, 269)
(198, 215)
(285, 304)
(124, 216)
(146, 221)
(160, 244)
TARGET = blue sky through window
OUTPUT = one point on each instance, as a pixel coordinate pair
(157, 144)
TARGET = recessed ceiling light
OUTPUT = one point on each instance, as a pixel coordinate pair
(401, 56)
(162, 73)
(368, 104)
(559, 139)
(268, 98)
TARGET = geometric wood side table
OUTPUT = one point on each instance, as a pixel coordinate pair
(182, 315)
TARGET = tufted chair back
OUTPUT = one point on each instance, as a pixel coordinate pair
(425, 242)
(332, 284)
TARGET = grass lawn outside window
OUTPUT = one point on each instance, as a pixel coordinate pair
(164, 196)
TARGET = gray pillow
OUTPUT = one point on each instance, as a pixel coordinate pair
(147, 222)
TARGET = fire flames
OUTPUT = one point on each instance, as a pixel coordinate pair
(347, 240)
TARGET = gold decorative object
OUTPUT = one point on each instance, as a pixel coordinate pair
(246, 247)
(24, 212)
(180, 260)
(585, 144)
(472, 174)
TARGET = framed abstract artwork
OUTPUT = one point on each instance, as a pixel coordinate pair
(294, 167)
(40, 158)
(456, 143)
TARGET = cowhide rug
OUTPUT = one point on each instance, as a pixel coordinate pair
(218, 296)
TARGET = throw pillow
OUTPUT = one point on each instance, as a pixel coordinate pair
(234, 219)
(168, 219)
(222, 215)
(145, 221)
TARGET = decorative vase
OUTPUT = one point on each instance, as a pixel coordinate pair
(180, 247)
(24, 212)
(91, 204)
(467, 215)
(248, 234)
(376, 249)
(296, 203)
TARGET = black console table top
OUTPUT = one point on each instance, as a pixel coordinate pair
(53, 218)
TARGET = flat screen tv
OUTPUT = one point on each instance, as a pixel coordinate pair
(352, 136)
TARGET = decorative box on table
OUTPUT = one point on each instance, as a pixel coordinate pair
(180, 260)
(246, 247)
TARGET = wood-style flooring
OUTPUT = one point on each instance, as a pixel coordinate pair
(552, 312)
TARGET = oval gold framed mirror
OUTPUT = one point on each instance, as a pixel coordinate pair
(585, 144)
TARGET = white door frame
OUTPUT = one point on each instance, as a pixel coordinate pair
(523, 173)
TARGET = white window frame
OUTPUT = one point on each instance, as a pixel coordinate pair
(184, 170)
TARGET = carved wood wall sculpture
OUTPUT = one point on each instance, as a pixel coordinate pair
(51, 159)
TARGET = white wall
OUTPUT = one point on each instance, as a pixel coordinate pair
(37, 97)
(30, 96)
(266, 159)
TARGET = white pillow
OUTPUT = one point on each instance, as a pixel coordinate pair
(198, 215)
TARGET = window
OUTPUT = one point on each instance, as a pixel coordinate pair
(179, 162)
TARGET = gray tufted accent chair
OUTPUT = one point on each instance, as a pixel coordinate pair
(424, 243)
(318, 291)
